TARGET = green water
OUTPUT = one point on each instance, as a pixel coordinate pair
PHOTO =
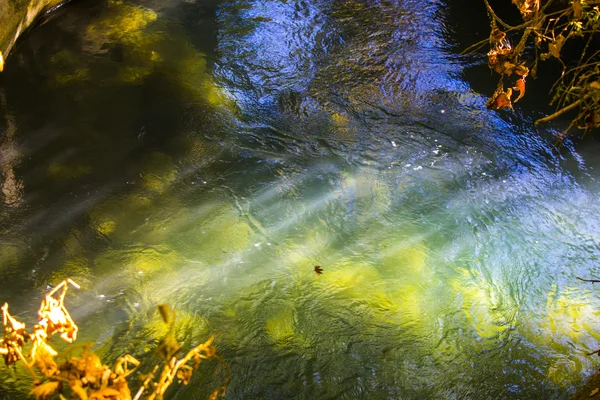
(209, 154)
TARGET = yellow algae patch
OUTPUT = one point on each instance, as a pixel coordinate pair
(123, 23)
(59, 171)
(482, 304)
(216, 96)
(340, 119)
(106, 228)
(9, 256)
(565, 371)
(404, 305)
(571, 315)
(223, 233)
(188, 326)
(158, 172)
(127, 25)
(119, 213)
(369, 191)
(79, 75)
(405, 260)
(190, 74)
(280, 326)
(139, 260)
(355, 278)
(72, 244)
(76, 269)
(303, 254)
(68, 68)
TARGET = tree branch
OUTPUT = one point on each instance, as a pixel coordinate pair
(559, 113)
(589, 280)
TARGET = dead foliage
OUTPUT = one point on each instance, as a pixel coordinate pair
(546, 29)
(85, 377)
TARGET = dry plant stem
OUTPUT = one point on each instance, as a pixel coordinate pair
(63, 286)
(559, 112)
(24, 360)
(145, 384)
(496, 18)
(223, 388)
(170, 370)
(589, 280)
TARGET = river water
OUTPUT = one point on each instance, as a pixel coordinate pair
(210, 154)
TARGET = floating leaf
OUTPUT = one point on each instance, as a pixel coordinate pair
(165, 312)
(45, 390)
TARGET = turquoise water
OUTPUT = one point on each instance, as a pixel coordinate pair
(209, 154)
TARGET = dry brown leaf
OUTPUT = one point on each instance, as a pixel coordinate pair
(497, 37)
(44, 390)
(528, 8)
(500, 99)
(555, 47)
(520, 87)
(165, 312)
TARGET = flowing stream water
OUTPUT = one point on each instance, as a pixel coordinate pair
(209, 154)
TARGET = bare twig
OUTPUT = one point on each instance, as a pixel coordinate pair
(589, 280)
(559, 112)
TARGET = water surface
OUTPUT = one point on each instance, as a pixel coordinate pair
(209, 154)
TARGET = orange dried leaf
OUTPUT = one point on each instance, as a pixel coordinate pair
(54, 317)
(528, 8)
(497, 37)
(520, 87)
(500, 99)
(45, 390)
